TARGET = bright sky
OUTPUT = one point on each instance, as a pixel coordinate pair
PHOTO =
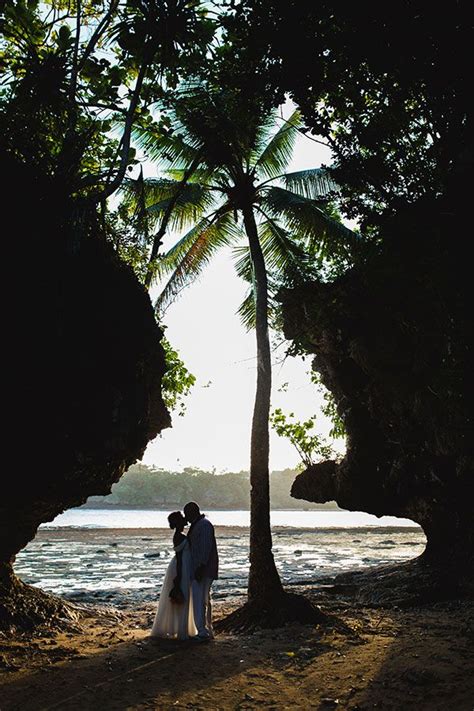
(204, 327)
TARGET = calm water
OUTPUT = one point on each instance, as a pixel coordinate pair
(120, 556)
(126, 518)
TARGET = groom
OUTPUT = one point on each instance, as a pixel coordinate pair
(205, 564)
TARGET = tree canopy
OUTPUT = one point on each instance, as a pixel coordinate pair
(78, 74)
(387, 87)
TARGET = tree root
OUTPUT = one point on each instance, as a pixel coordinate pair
(24, 607)
(270, 614)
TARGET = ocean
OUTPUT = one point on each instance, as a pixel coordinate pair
(119, 557)
(145, 518)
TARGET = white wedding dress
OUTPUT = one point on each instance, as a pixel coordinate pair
(176, 621)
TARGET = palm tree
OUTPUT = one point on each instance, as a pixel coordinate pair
(224, 177)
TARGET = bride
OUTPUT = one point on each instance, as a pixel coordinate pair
(175, 618)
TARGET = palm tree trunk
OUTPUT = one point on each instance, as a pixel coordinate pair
(264, 581)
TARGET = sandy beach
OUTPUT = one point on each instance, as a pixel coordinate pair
(390, 660)
(386, 658)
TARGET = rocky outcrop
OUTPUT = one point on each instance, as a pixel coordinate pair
(393, 341)
(84, 365)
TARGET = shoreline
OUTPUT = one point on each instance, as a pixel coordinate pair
(177, 506)
(135, 530)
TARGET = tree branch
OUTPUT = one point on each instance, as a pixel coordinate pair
(98, 32)
(126, 137)
(74, 70)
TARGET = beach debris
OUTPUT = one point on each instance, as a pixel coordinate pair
(152, 555)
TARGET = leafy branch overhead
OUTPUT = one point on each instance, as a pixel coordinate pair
(72, 72)
(177, 381)
(310, 445)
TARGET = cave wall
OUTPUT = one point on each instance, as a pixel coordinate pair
(84, 362)
(393, 342)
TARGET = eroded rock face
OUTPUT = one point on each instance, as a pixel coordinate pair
(85, 363)
(393, 341)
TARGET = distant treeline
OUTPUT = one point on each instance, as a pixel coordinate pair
(144, 487)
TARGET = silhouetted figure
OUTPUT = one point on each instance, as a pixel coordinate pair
(204, 566)
(174, 618)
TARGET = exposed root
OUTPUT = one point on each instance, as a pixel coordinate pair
(23, 607)
(279, 611)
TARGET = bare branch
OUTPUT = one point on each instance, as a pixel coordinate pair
(98, 32)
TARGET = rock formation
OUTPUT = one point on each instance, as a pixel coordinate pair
(393, 341)
(84, 369)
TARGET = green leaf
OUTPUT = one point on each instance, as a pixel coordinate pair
(315, 184)
(191, 254)
(307, 219)
(277, 154)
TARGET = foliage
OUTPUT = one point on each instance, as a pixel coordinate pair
(212, 167)
(329, 409)
(387, 87)
(71, 69)
(307, 443)
(177, 381)
(76, 76)
(147, 486)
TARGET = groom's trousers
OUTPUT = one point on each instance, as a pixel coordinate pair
(202, 606)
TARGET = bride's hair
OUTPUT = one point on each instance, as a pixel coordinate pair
(175, 519)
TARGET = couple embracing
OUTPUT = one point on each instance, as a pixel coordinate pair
(184, 608)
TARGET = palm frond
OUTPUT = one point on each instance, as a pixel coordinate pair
(190, 201)
(243, 263)
(284, 259)
(172, 150)
(315, 184)
(186, 260)
(281, 251)
(247, 311)
(307, 219)
(153, 189)
(264, 133)
(154, 195)
(202, 175)
(277, 154)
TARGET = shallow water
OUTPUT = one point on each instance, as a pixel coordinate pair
(124, 566)
(134, 518)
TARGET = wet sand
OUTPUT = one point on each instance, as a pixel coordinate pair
(126, 566)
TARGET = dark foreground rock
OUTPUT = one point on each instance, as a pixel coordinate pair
(84, 367)
(393, 341)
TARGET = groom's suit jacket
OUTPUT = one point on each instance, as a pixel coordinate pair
(202, 539)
